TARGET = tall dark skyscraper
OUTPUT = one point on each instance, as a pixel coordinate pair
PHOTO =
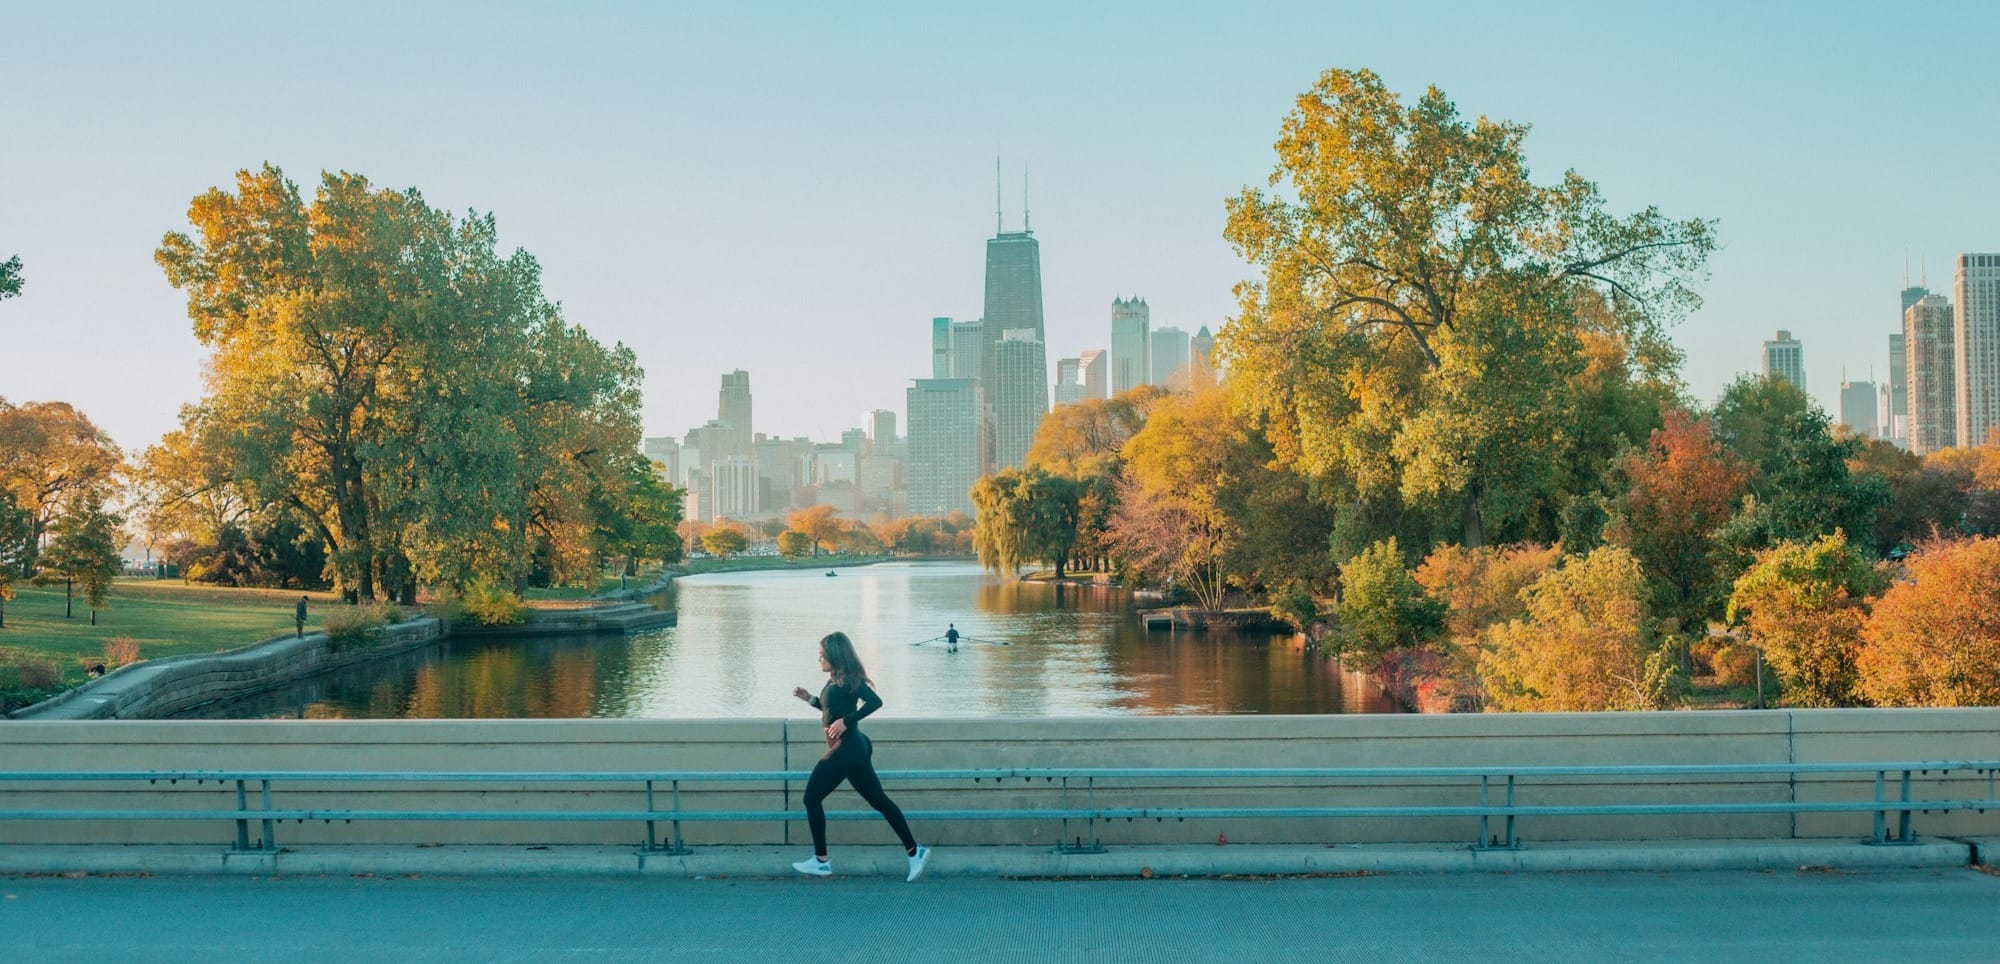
(1018, 390)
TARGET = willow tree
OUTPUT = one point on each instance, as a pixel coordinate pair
(381, 372)
(1423, 307)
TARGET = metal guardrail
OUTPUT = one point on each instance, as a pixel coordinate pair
(1080, 780)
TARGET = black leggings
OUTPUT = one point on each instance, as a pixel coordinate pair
(852, 762)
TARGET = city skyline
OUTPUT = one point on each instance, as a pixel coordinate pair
(643, 233)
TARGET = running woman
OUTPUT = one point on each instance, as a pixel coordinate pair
(842, 703)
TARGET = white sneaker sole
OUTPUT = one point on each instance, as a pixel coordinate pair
(923, 859)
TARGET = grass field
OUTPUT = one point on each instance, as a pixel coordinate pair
(165, 618)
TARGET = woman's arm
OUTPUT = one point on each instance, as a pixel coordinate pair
(865, 701)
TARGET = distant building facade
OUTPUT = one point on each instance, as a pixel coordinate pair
(1131, 345)
(1170, 358)
(1976, 347)
(1857, 408)
(947, 428)
(1784, 357)
(1096, 365)
(1930, 374)
(1020, 382)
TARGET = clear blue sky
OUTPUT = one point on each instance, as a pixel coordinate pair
(797, 189)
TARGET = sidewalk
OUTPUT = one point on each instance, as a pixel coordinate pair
(996, 862)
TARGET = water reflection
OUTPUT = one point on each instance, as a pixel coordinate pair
(745, 639)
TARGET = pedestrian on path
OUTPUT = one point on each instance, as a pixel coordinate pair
(846, 699)
(299, 616)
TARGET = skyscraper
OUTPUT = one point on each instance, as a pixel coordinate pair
(1857, 407)
(734, 412)
(881, 430)
(947, 444)
(1131, 344)
(1020, 387)
(1931, 375)
(1895, 415)
(940, 347)
(736, 487)
(1201, 356)
(968, 349)
(665, 453)
(1093, 364)
(1785, 358)
(1017, 391)
(1976, 351)
(1069, 381)
(1170, 358)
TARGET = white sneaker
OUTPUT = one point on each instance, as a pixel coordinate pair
(815, 867)
(917, 863)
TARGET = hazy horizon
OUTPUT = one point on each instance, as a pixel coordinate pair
(797, 191)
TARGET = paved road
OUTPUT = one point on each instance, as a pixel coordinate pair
(1763, 917)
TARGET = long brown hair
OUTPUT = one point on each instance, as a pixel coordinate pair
(847, 668)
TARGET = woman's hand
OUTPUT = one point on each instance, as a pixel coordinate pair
(800, 692)
(834, 731)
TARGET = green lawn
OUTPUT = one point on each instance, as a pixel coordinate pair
(165, 618)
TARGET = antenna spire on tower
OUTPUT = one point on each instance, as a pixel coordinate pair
(999, 226)
(1025, 224)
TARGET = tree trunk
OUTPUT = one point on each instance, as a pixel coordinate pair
(1475, 526)
(93, 617)
(67, 584)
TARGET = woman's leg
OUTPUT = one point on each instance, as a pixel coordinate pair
(826, 775)
(864, 781)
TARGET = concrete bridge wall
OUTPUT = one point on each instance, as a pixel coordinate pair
(770, 744)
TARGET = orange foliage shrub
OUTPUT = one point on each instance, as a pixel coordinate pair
(1934, 638)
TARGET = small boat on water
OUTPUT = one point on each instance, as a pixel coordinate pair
(832, 573)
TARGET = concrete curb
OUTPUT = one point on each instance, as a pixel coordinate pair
(1198, 861)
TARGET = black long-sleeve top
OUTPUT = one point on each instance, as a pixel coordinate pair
(846, 701)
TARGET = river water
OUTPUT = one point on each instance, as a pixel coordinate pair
(745, 639)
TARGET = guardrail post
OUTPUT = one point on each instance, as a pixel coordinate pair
(651, 837)
(242, 822)
(680, 847)
(1479, 842)
(1881, 816)
(1487, 840)
(1064, 844)
(1512, 842)
(1903, 834)
(270, 841)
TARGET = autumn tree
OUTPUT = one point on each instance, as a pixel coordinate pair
(1677, 492)
(725, 541)
(793, 544)
(1419, 319)
(1481, 587)
(1934, 637)
(1171, 520)
(52, 457)
(818, 525)
(1383, 607)
(1585, 643)
(1805, 605)
(382, 373)
(83, 553)
(1071, 435)
(1926, 499)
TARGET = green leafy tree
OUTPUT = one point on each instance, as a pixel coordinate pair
(648, 526)
(1383, 607)
(382, 373)
(1586, 642)
(1421, 314)
(1025, 515)
(83, 554)
(10, 278)
(725, 541)
(17, 545)
(1805, 603)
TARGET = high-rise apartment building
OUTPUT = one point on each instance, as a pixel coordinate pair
(1857, 408)
(736, 487)
(1785, 358)
(1930, 373)
(1976, 347)
(1895, 416)
(1069, 381)
(1095, 366)
(881, 431)
(947, 444)
(1201, 357)
(1170, 358)
(968, 349)
(1131, 345)
(734, 411)
(665, 453)
(1021, 396)
(940, 347)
